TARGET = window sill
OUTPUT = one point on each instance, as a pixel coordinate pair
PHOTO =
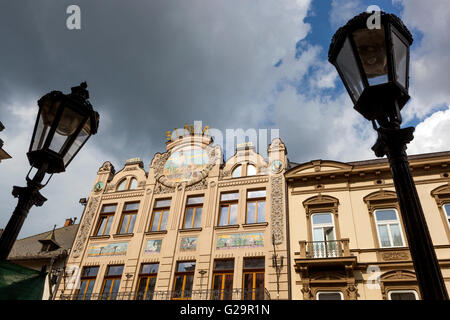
(155, 232)
(255, 225)
(230, 226)
(190, 229)
(123, 235)
(99, 237)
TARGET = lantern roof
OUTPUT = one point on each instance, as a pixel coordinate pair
(360, 22)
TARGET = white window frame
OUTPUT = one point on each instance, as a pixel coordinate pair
(323, 226)
(402, 291)
(447, 216)
(389, 222)
(339, 292)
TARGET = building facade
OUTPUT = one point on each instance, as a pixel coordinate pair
(191, 227)
(197, 227)
(3, 154)
(346, 230)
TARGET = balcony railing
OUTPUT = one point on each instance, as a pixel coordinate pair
(234, 294)
(324, 249)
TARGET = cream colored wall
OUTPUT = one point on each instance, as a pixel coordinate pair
(355, 224)
(206, 252)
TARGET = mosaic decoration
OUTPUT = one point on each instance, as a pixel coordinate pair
(186, 164)
(111, 249)
(188, 244)
(240, 240)
(153, 246)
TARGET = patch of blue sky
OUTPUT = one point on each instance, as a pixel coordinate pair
(416, 120)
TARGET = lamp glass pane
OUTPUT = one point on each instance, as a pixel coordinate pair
(77, 144)
(68, 124)
(371, 46)
(41, 133)
(348, 66)
(400, 58)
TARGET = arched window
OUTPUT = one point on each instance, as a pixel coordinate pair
(133, 184)
(237, 172)
(251, 170)
(121, 185)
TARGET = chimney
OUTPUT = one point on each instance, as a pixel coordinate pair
(68, 222)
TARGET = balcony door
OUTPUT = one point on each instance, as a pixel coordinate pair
(324, 236)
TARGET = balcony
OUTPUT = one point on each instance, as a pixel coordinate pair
(323, 253)
(234, 294)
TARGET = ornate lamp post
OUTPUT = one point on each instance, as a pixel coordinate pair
(374, 67)
(64, 123)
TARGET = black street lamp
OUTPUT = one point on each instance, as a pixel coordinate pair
(63, 125)
(374, 67)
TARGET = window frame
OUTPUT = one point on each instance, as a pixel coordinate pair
(228, 203)
(254, 272)
(447, 214)
(330, 291)
(128, 213)
(89, 279)
(195, 207)
(223, 273)
(148, 277)
(255, 200)
(109, 215)
(416, 295)
(183, 274)
(239, 166)
(114, 278)
(161, 209)
(389, 222)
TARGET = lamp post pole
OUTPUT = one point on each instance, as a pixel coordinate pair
(29, 196)
(392, 143)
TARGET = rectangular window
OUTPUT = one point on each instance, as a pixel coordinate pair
(193, 212)
(324, 238)
(111, 282)
(403, 295)
(256, 206)
(184, 279)
(105, 219)
(329, 295)
(253, 279)
(160, 215)
(389, 230)
(87, 283)
(447, 212)
(222, 286)
(228, 208)
(128, 218)
(147, 281)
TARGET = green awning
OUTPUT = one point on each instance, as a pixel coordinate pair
(20, 283)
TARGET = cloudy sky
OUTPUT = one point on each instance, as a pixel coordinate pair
(152, 66)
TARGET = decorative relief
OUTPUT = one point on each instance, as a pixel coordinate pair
(224, 174)
(108, 167)
(277, 205)
(85, 227)
(123, 195)
(198, 186)
(242, 182)
(160, 189)
(395, 255)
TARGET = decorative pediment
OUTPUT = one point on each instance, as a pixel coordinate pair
(320, 202)
(398, 275)
(318, 166)
(441, 194)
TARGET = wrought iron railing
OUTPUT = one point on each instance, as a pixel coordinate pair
(234, 294)
(324, 249)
